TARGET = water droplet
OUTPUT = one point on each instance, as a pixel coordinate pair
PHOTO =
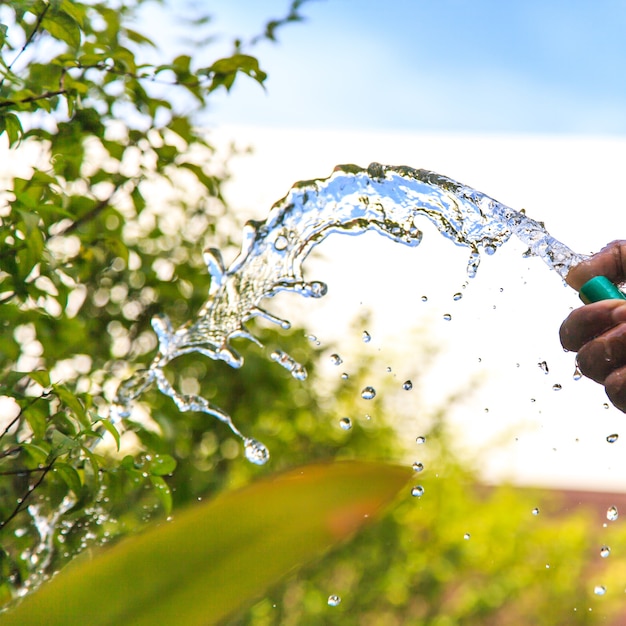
(424, 298)
(407, 385)
(366, 337)
(599, 590)
(418, 467)
(577, 375)
(281, 242)
(535, 511)
(447, 317)
(466, 536)
(605, 551)
(612, 438)
(612, 513)
(345, 376)
(557, 387)
(299, 372)
(334, 600)
(368, 393)
(335, 359)
(389, 370)
(256, 452)
(119, 412)
(345, 423)
(417, 491)
(420, 440)
(490, 249)
(290, 364)
(317, 289)
(543, 366)
(605, 405)
(457, 296)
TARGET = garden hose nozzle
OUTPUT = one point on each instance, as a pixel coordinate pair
(600, 288)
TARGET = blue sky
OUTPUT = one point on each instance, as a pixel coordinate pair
(544, 66)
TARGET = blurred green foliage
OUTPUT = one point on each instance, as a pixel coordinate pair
(229, 550)
(110, 193)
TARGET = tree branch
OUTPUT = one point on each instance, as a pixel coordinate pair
(21, 504)
(43, 96)
(27, 43)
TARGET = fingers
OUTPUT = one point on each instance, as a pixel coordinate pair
(602, 356)
(598, 331)
(591, 321)
(615, 385)
(609, 262)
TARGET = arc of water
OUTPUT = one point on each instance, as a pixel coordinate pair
(389, 200)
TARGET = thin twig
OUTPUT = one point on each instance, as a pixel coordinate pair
(20, 472)
(27, 42)
(11, 424)
(87, 217)
(41, 96)
(20, 505)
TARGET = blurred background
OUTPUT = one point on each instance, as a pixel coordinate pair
(525, 103)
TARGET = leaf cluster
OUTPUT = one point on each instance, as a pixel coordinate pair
(112, 192)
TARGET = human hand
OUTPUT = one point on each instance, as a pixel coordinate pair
(597, 331)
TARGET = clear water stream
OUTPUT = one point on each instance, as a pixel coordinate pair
(393, 201)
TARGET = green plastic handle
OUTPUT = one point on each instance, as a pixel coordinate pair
(600, 288)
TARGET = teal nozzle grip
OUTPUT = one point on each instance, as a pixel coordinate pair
(600, 288)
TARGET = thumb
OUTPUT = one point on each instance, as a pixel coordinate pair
(609, 262)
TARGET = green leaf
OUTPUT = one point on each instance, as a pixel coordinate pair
(76, 12)
(38, 454)
(41, 377)
(69, 475)
(162, 465)
(108, 426)
(74, 404)
(214, 558)
(62, 444)
(10, 123)
(224, 71)
(36, 419)
(62, 26)
(92, 470)
(162, 490)
(133, 35)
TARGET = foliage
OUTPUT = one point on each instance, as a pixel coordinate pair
(117, 193)
(234, 548)
(462, 553)
(111, 192)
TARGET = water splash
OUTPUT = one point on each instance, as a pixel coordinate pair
(392, 201)
(39, 556)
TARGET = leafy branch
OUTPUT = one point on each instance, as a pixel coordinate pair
(27, 43)
(23, 501)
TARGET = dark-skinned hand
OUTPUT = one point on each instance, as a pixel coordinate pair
(597, 331)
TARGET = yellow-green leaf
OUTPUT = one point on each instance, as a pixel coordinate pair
(110, 428)
(214, 558)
